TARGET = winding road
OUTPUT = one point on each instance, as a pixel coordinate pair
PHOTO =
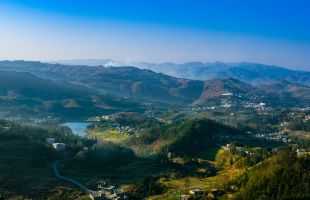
(78, 184)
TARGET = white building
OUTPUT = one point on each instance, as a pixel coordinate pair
(227, 94)
(59, 146)
(226, 105)
(184, 197)
(196, 192)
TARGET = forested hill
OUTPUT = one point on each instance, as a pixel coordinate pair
(284, 176)
(143, 84)
(186, 138)
(24, 94)
(24, 84)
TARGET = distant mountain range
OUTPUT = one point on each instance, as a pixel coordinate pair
(128, 82)
(24, 84)
(25, 94)
(144, 84)
(247, 72)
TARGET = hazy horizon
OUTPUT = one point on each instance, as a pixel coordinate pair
(118, 63)
(165, 31)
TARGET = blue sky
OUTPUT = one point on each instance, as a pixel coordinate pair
(265, 31)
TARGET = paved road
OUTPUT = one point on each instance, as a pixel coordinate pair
(78, 184)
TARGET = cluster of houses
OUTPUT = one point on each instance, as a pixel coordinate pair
(226, 105)
(119, 128)
(108, 192)
(114, 125)
(229, 104)
(284, 124)
(122, 129)
(202, 108)
(241, 101)
(251, 103)
(241, 149)
(198, 193)
(100, 118)
(257, 106)
(296, 115)
(55, 145)
(280, 136)
(302, 152)
(305, 109)
(226, 93)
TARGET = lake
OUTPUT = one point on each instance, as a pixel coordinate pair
(78, 128)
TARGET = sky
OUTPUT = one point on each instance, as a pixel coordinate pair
(273, 32)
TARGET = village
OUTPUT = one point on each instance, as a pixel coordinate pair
(229, 99)
(107, 192)
(109, 127)
(109, 123)
(280, 136)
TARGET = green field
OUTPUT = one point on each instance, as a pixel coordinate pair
(108, 135)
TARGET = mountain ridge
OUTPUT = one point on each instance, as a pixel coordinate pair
(145, 84)
(249, 72)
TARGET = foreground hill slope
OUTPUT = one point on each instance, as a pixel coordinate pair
(283, 176)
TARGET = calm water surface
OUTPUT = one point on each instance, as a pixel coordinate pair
(78, 128)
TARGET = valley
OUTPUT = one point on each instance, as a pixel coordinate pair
(154, 100)
(148, 135)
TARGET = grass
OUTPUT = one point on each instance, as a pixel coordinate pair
(109, 135)
(219, 156)
(183, 185)
(117, 174)
(209, 154)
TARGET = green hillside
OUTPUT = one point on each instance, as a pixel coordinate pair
(22, 94)
(284, 176)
